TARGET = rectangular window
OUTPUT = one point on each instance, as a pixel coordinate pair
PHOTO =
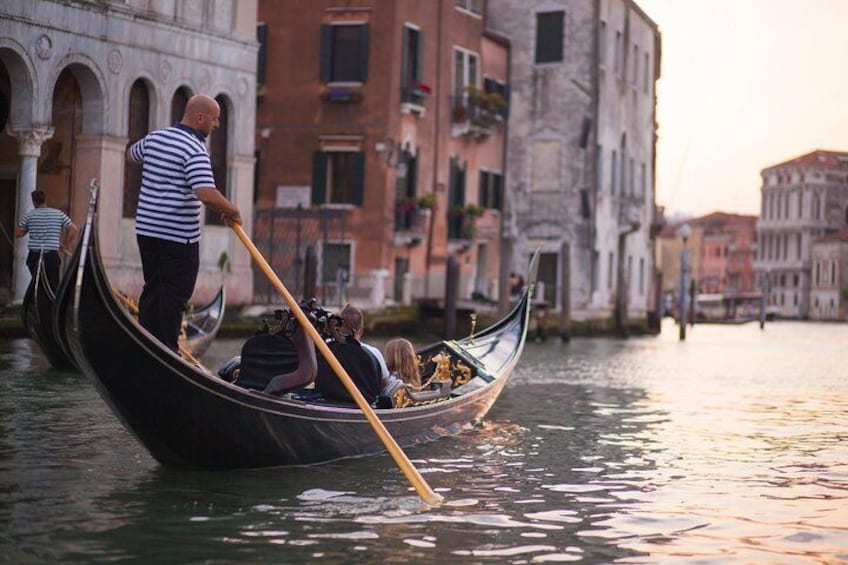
(634, 78)
(493, 86)
(646, 72)
(465, 74)
(338, 177)
(456, 200)
(602, 45)
(610, 269)
(632, 177)
(549, 36)
(599, 174)
(643, 175)
(412, 88)
(613, 167)
(595, 270)
(344, 53)
(798, 246)
(406, 188)
(491, 190)
(617, 53)
(473, 6)
(641, 276)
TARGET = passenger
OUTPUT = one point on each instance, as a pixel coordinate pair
(307, 366)
(360, 363)
(402, 365)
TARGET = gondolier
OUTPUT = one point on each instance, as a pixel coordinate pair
(176, 178)
(49, 231)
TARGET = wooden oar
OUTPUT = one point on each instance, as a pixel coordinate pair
(131, 306)
(406, 466)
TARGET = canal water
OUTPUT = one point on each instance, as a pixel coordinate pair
(730, 447)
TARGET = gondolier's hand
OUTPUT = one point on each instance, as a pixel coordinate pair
(230, 219)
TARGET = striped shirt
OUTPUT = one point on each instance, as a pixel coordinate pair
(44, 227)
(175, 163)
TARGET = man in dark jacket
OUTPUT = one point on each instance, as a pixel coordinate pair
(361, 365)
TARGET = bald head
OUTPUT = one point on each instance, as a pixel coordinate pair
(202, 114)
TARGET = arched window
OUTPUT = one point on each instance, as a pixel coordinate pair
(138, 125)
(218, 144)
(178, 104)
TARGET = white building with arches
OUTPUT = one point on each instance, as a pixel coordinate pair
(81, 79)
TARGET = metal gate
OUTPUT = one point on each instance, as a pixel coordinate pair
(284, 235)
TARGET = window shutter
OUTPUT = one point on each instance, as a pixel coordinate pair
(484, 189)
(404, 72)
(319, 178)
(419, 67)
(262, 39)
(358, 180)
(412, 176)
(497, 192)
(326, 53)
(460, 183)
(363, 46)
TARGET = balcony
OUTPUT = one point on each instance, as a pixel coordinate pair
(476, 113)
(412, 98)
(411, 217)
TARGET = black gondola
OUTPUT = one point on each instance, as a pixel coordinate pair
(37, 318)
(187, 416)
(202, 325)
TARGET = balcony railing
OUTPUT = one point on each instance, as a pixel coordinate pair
(478, 112)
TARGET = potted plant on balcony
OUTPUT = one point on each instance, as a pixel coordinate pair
(485, 108)
(427, 201)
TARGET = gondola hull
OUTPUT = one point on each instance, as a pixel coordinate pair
(188, 417)
(37, 319)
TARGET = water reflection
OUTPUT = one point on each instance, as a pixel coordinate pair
(727, 448)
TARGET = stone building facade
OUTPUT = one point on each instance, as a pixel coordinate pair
(829, 277)
(380, 133)
(80, 79)
(581, 151)
(802, 200)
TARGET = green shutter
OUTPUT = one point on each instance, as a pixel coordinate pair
(483, 193)
(319, 178)
(419, 70)
(358, 180)
(412, 176)
(404, 82)
(363, 46)
(326, 53)
(497, 191)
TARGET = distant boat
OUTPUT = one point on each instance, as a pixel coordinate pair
(187, 416)
(728, 308)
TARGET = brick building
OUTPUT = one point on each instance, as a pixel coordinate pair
(727, 249)
(380, 146)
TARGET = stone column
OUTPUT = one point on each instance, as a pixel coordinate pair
(29, 149)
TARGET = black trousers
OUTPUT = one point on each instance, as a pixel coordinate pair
(51, 266)
(170, 271)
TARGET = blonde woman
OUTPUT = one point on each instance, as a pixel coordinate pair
(401, 362)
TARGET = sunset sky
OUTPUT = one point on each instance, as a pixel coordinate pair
(745, 84)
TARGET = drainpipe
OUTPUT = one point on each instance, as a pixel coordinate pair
(436, 134)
